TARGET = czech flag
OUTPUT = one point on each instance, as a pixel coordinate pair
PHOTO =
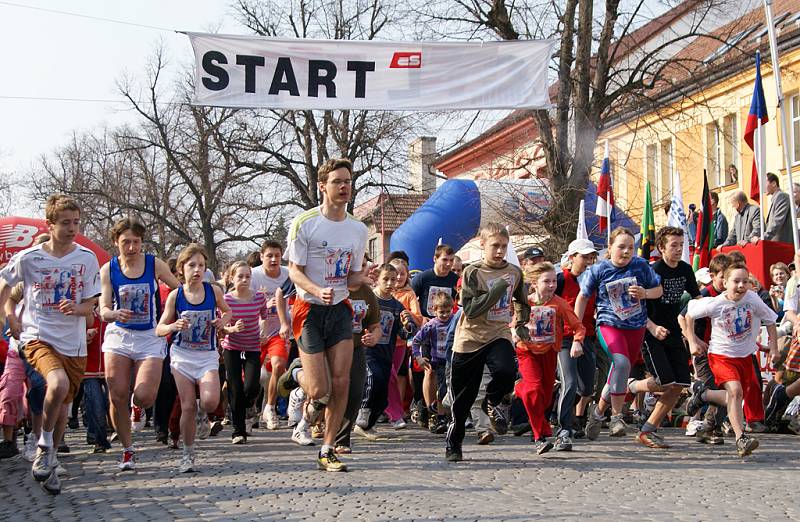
(605, 195)
(705, 230)
(758, 112)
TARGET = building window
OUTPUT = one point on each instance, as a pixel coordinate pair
(795, 130)
(666, 170)
(373, 249)
(730, 131)
(713, 159)
(651, 168)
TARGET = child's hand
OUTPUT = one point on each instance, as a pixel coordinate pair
(90, 333)
(405, 317)
(326, 295)
(576, 350)
(238, 327)
(180, 324)
(423, 363)
(659, 332)
(698, 347)
(636, 291)
(774, 357)
(369, 338)
(285, 331)
(67, 307)
(123, 315)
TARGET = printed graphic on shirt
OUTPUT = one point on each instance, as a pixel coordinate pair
(441, 342)
(432, 291)
(623, 304)
(198, 336)
(337, 265)
(738, 320)
(542, 324)
(673, 289)
(136, 298)
(359, 313)
(56, 284)
(387, 322)
(501, 311)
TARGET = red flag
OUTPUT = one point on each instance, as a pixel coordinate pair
(605, 196)
(758, 112)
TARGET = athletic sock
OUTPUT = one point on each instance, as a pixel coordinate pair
(325, 449)
(46, 439)
(632, 386)
(597, 415)
(302, 425)
(649, 428)
(296, 374)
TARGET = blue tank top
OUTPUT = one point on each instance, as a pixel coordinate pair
(137, 295)
(201, 335)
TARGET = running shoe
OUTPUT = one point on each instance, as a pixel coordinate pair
(778, 401)
(187, 462)
(302, 437)
(137, 420)
(617, 426)
(203, 426)
(485, 438)
(314, 411)
(43, 466)
(695, 402)
(270, 418)
(521, 429)
(794, 425)
(713, 437)
(745, 445)
(369, 434)
(341, 449)
(63, 448)
(286, 382)
(173, 441)
(226, 421)
(128, 462)
(114, 437)
(755, 427)
(295, 408)
(694, 427)
(498, 416)
(542, 446)
(99, 448)
(8, 449)
(317, 431)
(215, 428)
(238, 439)
(441, 425)
(433, 422)
(383, 419)
(162, 437)
(363, 417)
(72, 423)
(52, 484)
(651, 439)
(399, 424)
(563, 442)
(330, 462)
(421, 414)
(59, 469)
(453, 455)
(593, 425)
(29, 453)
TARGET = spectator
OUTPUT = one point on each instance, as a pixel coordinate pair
(746, 224)
(733, 173)
(779, 222)
(532, 256)
(720, 221)
(691, 223)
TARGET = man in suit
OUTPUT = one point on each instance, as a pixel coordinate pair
(720, 221)
(746, 224)
(779, 221)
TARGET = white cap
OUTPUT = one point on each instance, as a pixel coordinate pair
(703, 276)
(581, 246)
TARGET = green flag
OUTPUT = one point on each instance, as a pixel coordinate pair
(648, 228)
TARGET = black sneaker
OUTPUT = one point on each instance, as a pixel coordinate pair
(713, 437)
(421, 414)
(162, 437)
(542, 446)
(745, 445)
(520, 429)
(453, 455)
(433, 422)
(441, 425)
(695, 403)
(778, 401)
(8, 449)
(72, 423)
(498, 415)
(63, 448)
(286, 382)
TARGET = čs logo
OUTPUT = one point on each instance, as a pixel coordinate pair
(17, 236)
(406, 60)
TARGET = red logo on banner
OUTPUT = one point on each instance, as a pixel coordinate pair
(406, 60)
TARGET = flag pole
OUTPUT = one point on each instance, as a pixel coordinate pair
(787, 163)
(609, 208)
(759, 157)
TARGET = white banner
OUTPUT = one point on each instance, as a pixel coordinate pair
(249, 71)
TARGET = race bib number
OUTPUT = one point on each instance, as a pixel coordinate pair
(337, 265)
(360, 308)
(53, 285)
(137, 299)
(199, 335)
(432, 291)
(738, 321)
(622, 303)
(387, 323)
(542, 324)
(501, 311)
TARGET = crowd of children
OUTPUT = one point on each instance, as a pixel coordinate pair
(352, 350)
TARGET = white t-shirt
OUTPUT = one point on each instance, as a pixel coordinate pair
(328, 250)
(47, 281)
(791, 296)
(734, 324)
(261, 282)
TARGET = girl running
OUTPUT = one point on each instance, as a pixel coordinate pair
(130, 284)
(241, 346)
(621, 283)
(190, 315)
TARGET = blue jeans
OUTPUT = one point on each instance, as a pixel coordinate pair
(95, 403)
(577, 377)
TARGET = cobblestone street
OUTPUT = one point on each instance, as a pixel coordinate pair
(404, 477)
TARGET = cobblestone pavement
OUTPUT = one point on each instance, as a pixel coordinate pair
(404, 477)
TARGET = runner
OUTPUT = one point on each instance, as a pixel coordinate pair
(268, 278)
(325, 244)
(190, 314)
(61, 282)
(131, 347)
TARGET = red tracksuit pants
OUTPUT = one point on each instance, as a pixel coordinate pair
(535, 389)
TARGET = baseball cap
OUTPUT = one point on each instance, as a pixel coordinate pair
(533, 252)
(581, 246)
(703, 276)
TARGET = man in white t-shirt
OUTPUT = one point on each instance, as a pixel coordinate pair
(268, 278)
(325, 253)
(61, 282)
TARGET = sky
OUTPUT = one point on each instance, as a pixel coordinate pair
(49, 55)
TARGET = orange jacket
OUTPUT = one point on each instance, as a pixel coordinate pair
(546, 325)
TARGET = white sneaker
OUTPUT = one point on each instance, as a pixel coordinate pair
(302, 437)
(693, 427)
(363, 417)
(187, 462)
(59, 469)
(203, 426)
(29, 452)
(399, 424)
(270, 419)
(369, 434)
(295, 409)
(137, 419)
(43, 463)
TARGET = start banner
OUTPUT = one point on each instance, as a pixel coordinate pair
(249, 71)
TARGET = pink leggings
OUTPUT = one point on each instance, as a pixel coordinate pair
(395, 409)
(623, 348)
(12, 389)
